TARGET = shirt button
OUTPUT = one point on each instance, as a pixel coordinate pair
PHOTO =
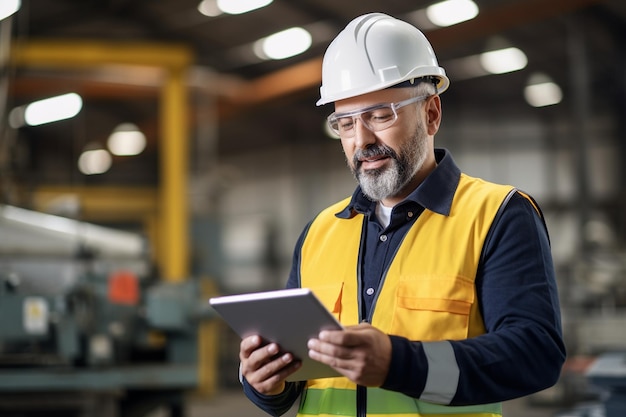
(409, 214)
(383, 238)
(369, 291)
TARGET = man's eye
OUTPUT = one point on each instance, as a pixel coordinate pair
(380, 116)
(345, 124)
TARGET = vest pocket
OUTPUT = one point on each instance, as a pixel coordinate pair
(433, 308)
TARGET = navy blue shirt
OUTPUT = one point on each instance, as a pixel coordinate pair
(522, 351)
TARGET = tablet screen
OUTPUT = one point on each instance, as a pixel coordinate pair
(287, 317)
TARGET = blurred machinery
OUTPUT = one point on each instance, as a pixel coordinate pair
(608, 372)
(592, 289)
(86, 325)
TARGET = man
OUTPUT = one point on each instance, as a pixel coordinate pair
(444, 282)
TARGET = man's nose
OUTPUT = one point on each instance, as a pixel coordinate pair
(363, 136)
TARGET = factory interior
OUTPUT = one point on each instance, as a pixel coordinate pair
(109, 253)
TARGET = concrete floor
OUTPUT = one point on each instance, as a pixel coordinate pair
(227, 403)
(233, 403)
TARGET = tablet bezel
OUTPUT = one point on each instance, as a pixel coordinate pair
(288, 317)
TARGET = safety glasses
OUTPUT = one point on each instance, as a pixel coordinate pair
(375, 118)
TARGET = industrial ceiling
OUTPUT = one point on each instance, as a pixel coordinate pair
(240, 103)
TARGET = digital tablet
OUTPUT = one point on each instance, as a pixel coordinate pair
(287, 317)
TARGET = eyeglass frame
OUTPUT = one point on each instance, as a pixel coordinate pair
(356, 114)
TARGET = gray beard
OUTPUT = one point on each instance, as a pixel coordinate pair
(378, 184)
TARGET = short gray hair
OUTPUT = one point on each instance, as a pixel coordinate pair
(424, 87)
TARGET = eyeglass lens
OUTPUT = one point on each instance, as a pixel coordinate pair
(376, 119)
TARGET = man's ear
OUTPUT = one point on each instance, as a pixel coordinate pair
(433, 114)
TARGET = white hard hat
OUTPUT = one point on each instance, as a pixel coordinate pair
(376, 51)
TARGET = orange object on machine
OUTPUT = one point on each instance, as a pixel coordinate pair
(123, 288)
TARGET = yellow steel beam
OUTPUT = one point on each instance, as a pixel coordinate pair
(207, 346)
(173, 216)
(73, 54)
(174, 146)
(102, 203)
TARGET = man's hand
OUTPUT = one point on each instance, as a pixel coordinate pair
(361, 353)
(263, 367)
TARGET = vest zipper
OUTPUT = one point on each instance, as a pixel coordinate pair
(361, 392)
(361, 401)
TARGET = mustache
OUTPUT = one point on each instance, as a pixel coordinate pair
(371, 152)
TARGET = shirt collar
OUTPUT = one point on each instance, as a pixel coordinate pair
(435, 193)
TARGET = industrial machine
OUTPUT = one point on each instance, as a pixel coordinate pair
(86, 326)
(608, 372)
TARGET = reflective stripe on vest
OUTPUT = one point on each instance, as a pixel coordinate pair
(428, 292)
(342, 402)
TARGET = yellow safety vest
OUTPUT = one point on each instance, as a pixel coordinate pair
(428, 292)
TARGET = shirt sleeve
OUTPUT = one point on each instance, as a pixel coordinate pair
(274, 405)
(522, 351)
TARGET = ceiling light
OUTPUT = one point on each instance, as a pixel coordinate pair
(284, 44)
(94, 161)
(209, 8)
(451, 12)
(53, 109)
(541, 91)
(126, 140)
(241, 6)
(8, 7)
(503, 60)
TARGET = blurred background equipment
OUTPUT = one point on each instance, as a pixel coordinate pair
(83, 311)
